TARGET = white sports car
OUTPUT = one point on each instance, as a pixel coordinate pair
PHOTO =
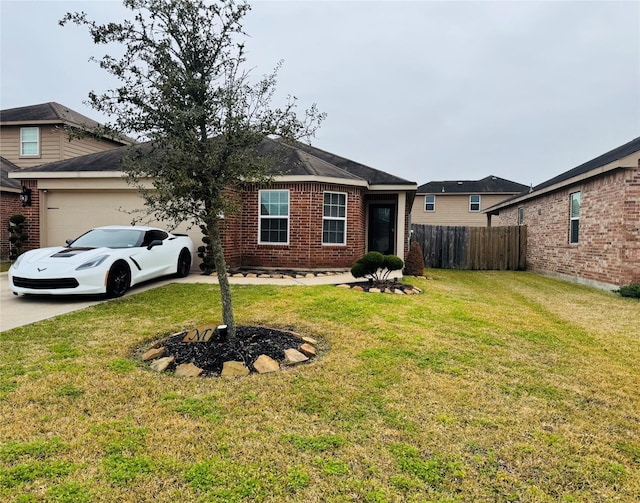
(105, 260)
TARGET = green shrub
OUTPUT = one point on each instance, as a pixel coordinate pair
(630, 291)
(415, 260)
(376, 267)
(17, 235)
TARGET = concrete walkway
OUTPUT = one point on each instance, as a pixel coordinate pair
(17, 311)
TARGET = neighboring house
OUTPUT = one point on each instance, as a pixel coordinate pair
(460, 203)
(320, 211)
(35, 135)
(583, 225)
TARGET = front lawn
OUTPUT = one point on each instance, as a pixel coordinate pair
(487, 387)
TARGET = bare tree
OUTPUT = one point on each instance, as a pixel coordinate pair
(186, 93)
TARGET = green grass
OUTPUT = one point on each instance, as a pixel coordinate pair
(491, 386)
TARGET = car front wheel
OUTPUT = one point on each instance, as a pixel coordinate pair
(184, 264)
(118, 280)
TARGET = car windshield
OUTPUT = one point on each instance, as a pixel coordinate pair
(111, 238)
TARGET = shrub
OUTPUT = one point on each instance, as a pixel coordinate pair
(17, 236)
(376, 267)
(415, 260)
(630, 291)
(206, 253)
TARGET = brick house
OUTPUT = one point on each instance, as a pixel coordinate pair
(584, 224)
(320, 210)
(32, 136)
(10, 203)
(461, 202)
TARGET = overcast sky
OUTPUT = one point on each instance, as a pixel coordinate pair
(424, 90)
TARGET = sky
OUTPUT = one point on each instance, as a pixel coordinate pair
(425, 90)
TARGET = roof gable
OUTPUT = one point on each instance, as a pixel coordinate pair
(489, 184)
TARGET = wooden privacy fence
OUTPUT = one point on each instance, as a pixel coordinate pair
(485, 248)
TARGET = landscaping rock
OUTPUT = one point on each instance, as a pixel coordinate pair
(310, 340)
(265, 364)
(308, 350)
(188, 370)
(358, 288)
(344, 285)
(234, 369)
(374, 290)
(293, 356)
(161, 364)
(154, 353)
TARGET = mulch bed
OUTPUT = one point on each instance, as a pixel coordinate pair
(249, 344)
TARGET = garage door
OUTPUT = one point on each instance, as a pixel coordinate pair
(69, 213)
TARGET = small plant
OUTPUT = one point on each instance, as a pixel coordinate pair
(376, 267)
(17, 236)
(630, 291)
(414, 265)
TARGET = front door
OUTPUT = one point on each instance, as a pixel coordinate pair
(382, 228)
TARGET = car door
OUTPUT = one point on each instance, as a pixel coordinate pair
(156, 260)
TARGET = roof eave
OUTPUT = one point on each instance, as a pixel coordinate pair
(612, 166)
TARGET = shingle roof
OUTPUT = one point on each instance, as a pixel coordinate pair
(373, 176)
(50, 112)
(489, 184)
(6, 182)
(292, 160)
(606, 158)
(583, 169)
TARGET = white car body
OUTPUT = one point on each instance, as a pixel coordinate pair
(89, 264)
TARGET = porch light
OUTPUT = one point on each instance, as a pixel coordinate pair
(25, 196)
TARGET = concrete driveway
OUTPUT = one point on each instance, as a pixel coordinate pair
(16, 311)
(19, 311)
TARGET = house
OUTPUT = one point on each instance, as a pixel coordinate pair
(320, 210)
(35, 135)
(461, 202)
(584, 224)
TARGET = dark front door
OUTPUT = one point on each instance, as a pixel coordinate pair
(382, 228)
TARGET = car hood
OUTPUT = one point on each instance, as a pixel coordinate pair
(61, 256)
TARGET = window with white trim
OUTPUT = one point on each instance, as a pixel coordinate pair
(29, 141)
(430, 202)
(574, 219)
(334, 218)
(274, 217)
(474, 202)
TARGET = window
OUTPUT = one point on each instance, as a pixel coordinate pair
(29, 141)
(474, 202)
(520, 215)
(430, 203)
(574, 224)
(334, 218)
(274, 216)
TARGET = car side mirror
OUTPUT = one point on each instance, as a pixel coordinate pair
(155, 242)
(69, 241)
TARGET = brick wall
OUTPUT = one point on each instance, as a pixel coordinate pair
(608, 249)
(305, 249)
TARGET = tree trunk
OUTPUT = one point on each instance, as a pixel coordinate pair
(223, 279)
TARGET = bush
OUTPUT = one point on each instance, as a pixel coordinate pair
(376, 267)
(630, 291)
(206, 253)
(17, 235)
(415, 260)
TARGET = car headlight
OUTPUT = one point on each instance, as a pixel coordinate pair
(94, 262)
(17, 261)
